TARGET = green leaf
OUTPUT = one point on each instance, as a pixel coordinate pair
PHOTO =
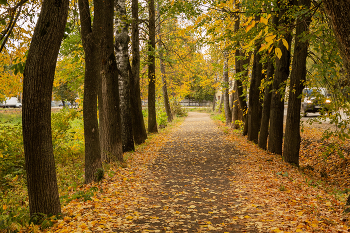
(3, 2)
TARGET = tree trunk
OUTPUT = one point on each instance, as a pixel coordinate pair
(109, 95)
(162, 71)
(265, 119)
(152, 116)
(164, 88)
(254, 102)
(221, 103)
(122, 56)
(214, 101)
(239, 68)
(139, 129)
(338, 12)
(278, 90)
(226, 94)
(297, 82)
(237, 114)
(38, 79)
(91, 133)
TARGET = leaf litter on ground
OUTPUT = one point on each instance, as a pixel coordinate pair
(273, 195)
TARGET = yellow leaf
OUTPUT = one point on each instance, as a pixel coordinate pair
(270, 38)
(300, 213)
(246, 216)
(250, 26)
(328, 203)
(278, 53)
(263, 20)
(285, 43)
(4, 207)
(192, 206)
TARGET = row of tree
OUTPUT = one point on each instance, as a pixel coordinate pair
(272, 46)
(255, 36)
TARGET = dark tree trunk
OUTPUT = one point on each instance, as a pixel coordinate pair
(239, 68)
(139, 129)
(237, 114)
(122, 56)
(338, 12)
(110, 111)
(152, 116)
(278, 91)
(38, 79)
(162, 71)
(164, 88)
(265, 119)
(297, 81)
(254, 102)
(228, 114)
(231, 97)
(91, 133)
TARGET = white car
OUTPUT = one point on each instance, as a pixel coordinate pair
(11, 102)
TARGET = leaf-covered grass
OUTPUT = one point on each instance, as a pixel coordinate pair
(68, 143)
(310, 198)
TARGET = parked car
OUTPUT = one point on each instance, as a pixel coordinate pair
(315, 100)
(11, 102)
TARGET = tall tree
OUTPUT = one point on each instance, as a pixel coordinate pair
(278, 86)
(110, 127)
(122, 54)
(152, 116)
(254, 91)
(139, 129)
(265, 118)
(37, 91)
(297, 82)
(338, 12)
(239, 69)
(162, 69)
(226, 87)
(93, 160)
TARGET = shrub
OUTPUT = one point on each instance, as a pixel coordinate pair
(177, 109)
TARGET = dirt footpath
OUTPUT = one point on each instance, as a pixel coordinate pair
(193, 188)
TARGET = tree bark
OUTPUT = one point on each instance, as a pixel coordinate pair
(38, 79)
(214, 102)
(228, 114)
(338, 12)
(237, 113)
(152, 116)
(109, 95)
(139, 129)
(122, 56)
(297, 83)
(278, 90)
(265, 119)
(91, 133)
(254, 102)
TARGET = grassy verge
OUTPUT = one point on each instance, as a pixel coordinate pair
(68, 143)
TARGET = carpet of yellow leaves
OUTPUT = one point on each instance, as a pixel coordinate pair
(274, 196)
(281, 197)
